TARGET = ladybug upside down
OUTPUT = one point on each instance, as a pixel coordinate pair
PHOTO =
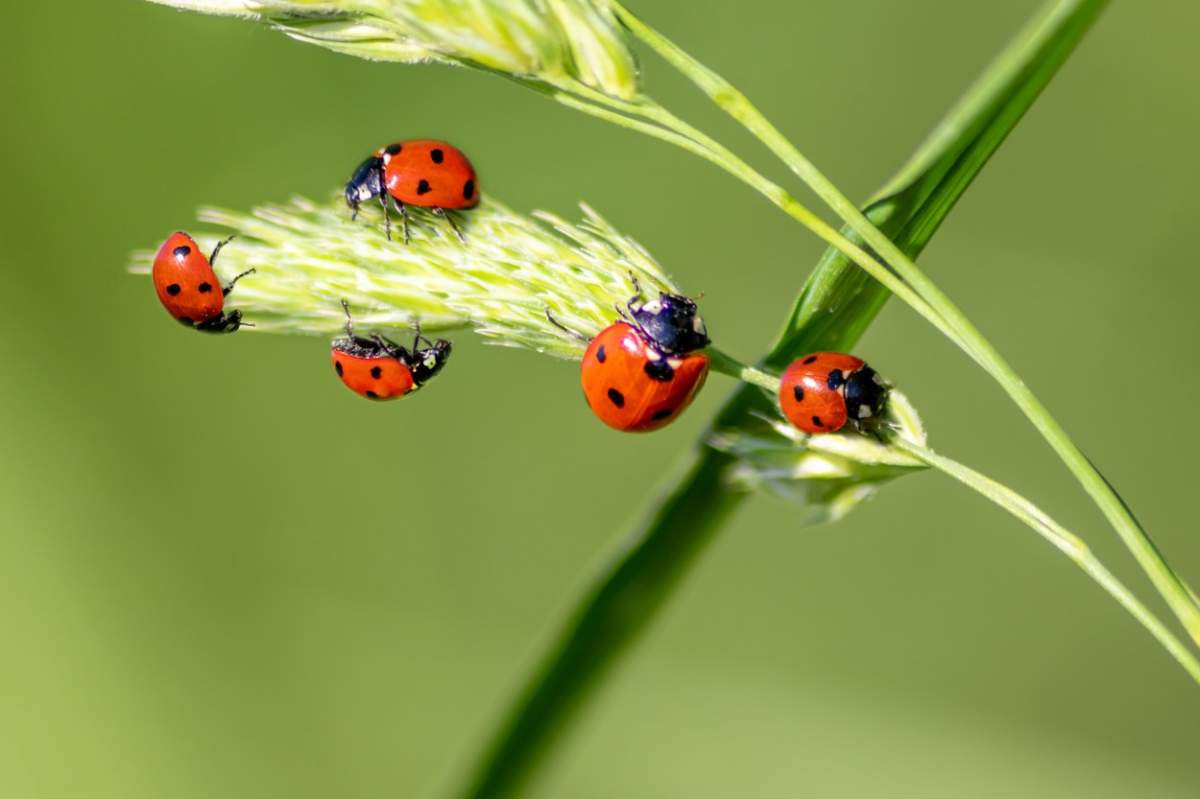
(379, 369)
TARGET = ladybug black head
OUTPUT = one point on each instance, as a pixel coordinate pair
(673, 323)
(865, 395)
(425, 362)
(366, 183)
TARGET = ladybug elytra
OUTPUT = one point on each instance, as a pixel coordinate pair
(821, 392)
(188, 287)
(641, 373)
(423, 172)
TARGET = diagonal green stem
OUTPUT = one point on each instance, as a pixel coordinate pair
(1047, 27)
(1062, 539)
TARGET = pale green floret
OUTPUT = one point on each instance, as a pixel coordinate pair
(564, 43)
(501, 281)
(828, 474)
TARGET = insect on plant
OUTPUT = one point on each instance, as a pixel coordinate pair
(562, 288)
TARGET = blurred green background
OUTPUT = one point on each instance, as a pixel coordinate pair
(221, 574)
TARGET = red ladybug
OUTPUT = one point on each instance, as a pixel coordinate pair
(640, 374)
(820, 392)
(379, 369)
(189, 289)
(424, 172)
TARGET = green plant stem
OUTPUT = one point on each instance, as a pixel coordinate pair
(1066, 542)
(727, 365)
(1081, 13)
(661, 124)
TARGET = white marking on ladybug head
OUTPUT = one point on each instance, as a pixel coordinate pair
(865, 411)
(652, 307)
(674, 363)
(363, 193)
(698, 326)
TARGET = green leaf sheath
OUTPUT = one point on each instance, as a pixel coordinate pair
(622, 598)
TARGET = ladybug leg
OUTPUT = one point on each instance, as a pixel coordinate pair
(225, 291)
(212, 259)
(564, 328)
(390, 347)
(445, 215)
(349, 320)
(387, 220)
(404, 217)
(225, 323)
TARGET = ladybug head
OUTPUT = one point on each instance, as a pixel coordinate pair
(366, 182)
(866, 394)
(673, 323)
(425, 362)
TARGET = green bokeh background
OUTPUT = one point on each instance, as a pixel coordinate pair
(223, 575)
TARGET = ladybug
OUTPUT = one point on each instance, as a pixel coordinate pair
(641, 373)
(380, 369)
(188, 287)
(820, 392)
(424, 172)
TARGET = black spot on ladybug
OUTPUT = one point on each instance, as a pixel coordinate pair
(809, 359)
(174, 289)
(181, 252)
(616, 398)
(372, 395)
(601, 355)
(661, 414)
(817, 421)
(798, 393)
(393, 149)
(437, 155)
(205, 287)
(337, 367)
(659, 370)
(468, 189)
(835, 379)
(423, 187)
(376, 372)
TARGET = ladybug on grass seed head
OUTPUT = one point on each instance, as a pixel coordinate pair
(640, 374)
(379, 369)
(188, 287)
(821, 392)
(423, 172)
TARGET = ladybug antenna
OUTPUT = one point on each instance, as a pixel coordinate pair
(637, 287)
(349, 319)
(573, 333)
